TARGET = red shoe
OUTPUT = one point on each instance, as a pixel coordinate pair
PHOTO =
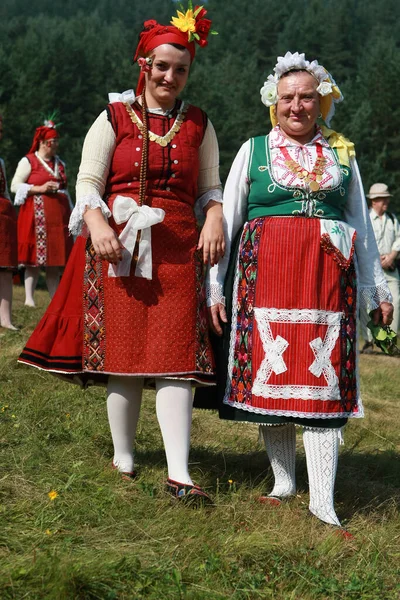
(271, 500)
(344, 534)
(125, 475)
(187, 493)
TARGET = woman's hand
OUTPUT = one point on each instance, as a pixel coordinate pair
(212, 240)
(383, 315)
(387, 260)
(104, 239)
(216, 314)
(50, 187)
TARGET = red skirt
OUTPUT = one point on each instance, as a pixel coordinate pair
(43, 236)
(8, 235)
(293, 340)
(98, 325)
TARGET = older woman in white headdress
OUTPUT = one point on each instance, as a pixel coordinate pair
(303, 256)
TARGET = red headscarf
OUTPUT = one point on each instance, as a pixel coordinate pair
(43, 133)
(154, 35)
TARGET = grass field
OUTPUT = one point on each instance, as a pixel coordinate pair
(103, 538)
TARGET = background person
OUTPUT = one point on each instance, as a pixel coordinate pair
(8, 246)
(387, 234)
(295, 214)
(130, 311)
(40, 188)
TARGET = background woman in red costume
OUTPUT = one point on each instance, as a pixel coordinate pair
(130, 310)
(8, 246)
(40, 187)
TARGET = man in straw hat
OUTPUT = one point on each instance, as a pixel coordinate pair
(387, 233)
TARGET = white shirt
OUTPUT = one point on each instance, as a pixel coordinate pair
(387, 232)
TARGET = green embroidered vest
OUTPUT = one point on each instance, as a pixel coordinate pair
(268, 198)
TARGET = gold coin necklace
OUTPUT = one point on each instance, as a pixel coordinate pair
(311, 178)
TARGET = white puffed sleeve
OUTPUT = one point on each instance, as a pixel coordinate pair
(235, 214)
(97, 152)
(208, 181)
(372, 283)
(19, 187)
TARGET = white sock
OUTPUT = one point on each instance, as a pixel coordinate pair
(124, 397)
(174, 404)
(280, 443)
(322, 450)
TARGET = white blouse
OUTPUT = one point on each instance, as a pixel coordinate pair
(20, 188)
(372, 284)
(97, 153)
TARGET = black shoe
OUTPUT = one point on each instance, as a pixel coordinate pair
(187, 493)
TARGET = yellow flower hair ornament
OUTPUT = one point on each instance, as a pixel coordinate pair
(193, 22)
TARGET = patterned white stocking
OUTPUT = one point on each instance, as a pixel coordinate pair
(322, 449)
(280, 443)
(174, 404)
(124, 397)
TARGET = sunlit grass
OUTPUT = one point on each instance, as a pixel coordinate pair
(72, 529)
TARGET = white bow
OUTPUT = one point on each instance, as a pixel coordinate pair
(138, 218)
(127, 96)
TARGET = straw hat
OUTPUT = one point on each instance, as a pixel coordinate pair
(378, 190)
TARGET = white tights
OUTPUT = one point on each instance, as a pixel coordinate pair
(321, 447)
(174, 404)
(6, 291)
(31, 279)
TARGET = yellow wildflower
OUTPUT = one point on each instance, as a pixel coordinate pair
(52, 495)
(230, 481)
(185, 22)
(67, 415)
(48, 532)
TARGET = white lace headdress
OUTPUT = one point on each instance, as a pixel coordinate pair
(327, 87)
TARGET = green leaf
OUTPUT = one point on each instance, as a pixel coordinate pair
(198, 10)
(381, 335)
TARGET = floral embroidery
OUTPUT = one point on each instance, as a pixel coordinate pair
(241, 382)
(348, 338)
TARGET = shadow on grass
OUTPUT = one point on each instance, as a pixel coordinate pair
(364, 481)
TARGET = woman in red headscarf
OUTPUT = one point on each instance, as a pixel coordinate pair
(8, 246)
(40, 187)
(130, 311)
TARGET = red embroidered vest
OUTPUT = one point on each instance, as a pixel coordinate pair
(39, 174)
(172, 170)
